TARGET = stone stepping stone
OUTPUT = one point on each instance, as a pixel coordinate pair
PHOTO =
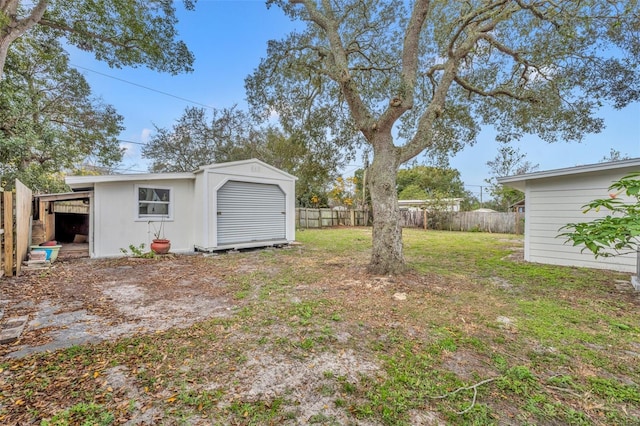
(12, 329)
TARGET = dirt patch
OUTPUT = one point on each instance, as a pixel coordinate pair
(467, 365)
(309, 384)
(83, 300)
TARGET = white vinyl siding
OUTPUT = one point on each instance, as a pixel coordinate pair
(552, 203)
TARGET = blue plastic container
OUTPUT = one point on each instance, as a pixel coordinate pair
(52, 251)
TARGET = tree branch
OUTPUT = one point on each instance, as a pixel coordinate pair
(16, 27)
(127, 44)
(474, 25)
(491, 93)
(371, 68)
(424, 136)
(472, 19)
(537, 12)
(410, 57)
(339, 65)
(475, 393)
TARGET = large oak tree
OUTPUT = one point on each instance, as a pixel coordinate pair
(409, 76)
(119, 32)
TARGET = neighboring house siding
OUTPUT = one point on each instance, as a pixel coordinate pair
(116, 224)
(551, 203)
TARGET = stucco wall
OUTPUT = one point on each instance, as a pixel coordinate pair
(551, 203)
(116, 224)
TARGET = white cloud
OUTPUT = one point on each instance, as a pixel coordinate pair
(273, 116)
(128, 148)
(144, 136)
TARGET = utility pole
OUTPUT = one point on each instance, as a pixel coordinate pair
(481, 191)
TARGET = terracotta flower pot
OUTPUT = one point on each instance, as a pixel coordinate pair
(160, 246)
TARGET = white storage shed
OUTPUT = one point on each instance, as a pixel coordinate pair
(555, 198)
(232, 205)
(243, 204)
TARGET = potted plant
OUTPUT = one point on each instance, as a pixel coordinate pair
(159, 244)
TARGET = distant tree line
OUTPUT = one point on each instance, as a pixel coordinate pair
(230, 134)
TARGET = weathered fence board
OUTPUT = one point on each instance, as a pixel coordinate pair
(504, 223)
(16, 227)
(24, 197)
(2, 236)
(324, 218)
(7, 205)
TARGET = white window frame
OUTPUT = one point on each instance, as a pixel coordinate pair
(153, 217)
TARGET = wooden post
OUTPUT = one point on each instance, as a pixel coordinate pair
(353, 217)
(8, 233)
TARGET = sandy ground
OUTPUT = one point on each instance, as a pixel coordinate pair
(85, 300)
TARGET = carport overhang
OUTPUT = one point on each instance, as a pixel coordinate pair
(43, 205)
(40, 207)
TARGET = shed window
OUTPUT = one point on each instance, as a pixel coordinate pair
(154, 202)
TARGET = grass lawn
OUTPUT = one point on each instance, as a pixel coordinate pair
(471, 335)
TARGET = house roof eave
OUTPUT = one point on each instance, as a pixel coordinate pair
(519, 181)
(241, 162)
(90, 181)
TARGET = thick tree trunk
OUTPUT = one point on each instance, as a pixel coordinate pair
(387, 255)
(4, 51)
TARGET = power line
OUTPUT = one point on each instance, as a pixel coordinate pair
(135, 143)
(124, 170)
(144, 87)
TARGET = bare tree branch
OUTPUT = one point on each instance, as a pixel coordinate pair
(475, 393)
(491, 93)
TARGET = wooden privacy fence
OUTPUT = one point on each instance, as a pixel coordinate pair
(15, 227)
(324, 218)
(505, 223)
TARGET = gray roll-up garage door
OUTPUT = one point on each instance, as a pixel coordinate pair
(250, 212)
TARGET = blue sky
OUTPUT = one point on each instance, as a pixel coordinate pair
(229, 38)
